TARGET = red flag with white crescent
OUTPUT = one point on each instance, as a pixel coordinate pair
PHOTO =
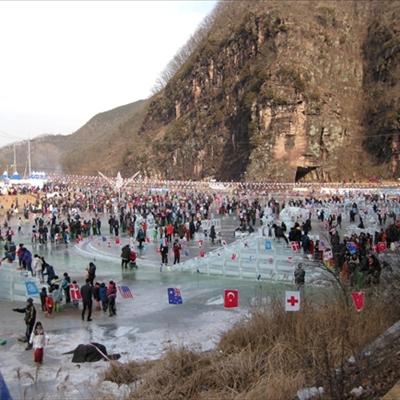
(358, 300)
(231, 298)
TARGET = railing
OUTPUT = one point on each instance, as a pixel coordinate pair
(254, 257)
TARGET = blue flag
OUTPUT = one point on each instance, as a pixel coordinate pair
(268, 245)
(174, 296)
(4, 393)
(31, 289)
(352, 248)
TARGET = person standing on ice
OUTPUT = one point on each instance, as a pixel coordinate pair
(177, 252)
(37, 340)
(299, 276)
(213, 234)
(164, 251)
(87, 295)
(111, 296)
(30, 319)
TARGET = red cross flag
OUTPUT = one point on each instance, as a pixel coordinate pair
(231, 298)
(292, 301)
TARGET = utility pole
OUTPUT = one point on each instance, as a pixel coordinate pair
(29, 159)
(15, 160)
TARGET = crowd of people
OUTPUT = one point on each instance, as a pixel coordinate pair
(69, 211)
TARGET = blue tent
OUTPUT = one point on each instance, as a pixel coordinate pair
(4, 393)
(15, 176)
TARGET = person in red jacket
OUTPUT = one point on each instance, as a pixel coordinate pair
(132, 259)
(170, 232)
(177, 252)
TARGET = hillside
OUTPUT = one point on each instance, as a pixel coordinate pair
(100, 144)
(271, 90)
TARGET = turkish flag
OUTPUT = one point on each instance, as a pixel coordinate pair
(358, 300)
(231, 298)
(202, 253)
(381, 247)
(233, 257)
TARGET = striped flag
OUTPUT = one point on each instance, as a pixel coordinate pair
(125, 292)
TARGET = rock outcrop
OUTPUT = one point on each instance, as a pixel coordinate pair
(283, 96)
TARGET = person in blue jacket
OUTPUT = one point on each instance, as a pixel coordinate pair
(27, 260)
(103, 296)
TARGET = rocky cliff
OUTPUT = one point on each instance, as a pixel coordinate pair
(287, 90)
(282, 90)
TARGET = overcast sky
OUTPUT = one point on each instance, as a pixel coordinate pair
(63, 62)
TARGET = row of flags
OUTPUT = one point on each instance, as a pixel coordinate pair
(231, 296)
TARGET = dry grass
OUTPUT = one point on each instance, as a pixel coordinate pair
(125, 373)
(268, 356)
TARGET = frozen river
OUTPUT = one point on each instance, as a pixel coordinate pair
(144, 326)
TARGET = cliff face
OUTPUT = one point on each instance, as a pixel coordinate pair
(382, 86)
(284, 92)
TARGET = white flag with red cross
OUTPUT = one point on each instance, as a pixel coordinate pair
(292, 301)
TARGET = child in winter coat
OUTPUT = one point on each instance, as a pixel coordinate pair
(132, 259)
(38, 340)
(103, 296)
(49, 305)
(111, 295)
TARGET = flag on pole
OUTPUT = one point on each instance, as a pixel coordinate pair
(174, 296)
(358, 300)
(268, 245)
(351, 247)
(75, 292)
(231, 298)
(125, 292)
(292, 301)
(295, 246)
(381, 247)
(31, 289)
